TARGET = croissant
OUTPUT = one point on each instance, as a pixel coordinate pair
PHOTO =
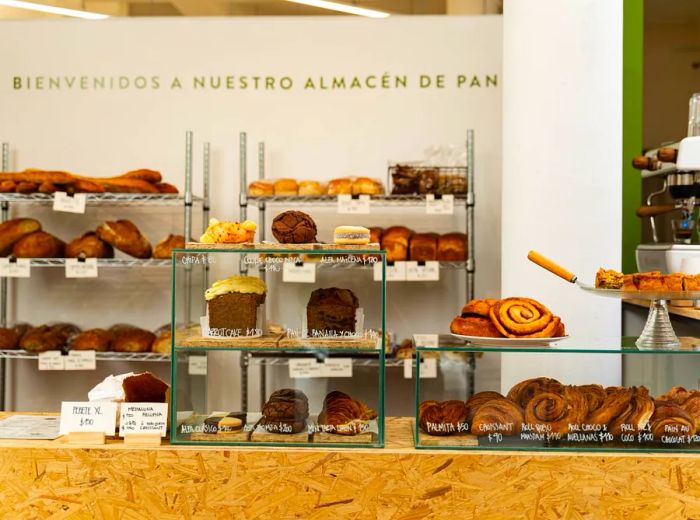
(524, 391)
(637, 414)
(670, 419)
(692, 406)
(444, 418)
(500, 415)
(617, 399)
(557, 411)
(345, 415)
(524, 318)
(477, 400)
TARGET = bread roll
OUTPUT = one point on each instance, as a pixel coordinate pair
(93, 339)
(395, 241)
(125, 236)
(164, 248)
(286, 187)
(164, 187)
(366, 186)
(48, 337)
(13, 230)
(89, 246)
(133, 340)
(340, 187)
(258, 188)
(423, 247)
(452, 247)
(39, 245)
(310, 188)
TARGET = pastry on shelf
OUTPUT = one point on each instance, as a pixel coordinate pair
(497, 415)
(343, 415)
(423, 247)
(351, 235)
(125, 236)
(89, 245)
(525, 318)
(39, 245)
(523, 392)
(294, 227)
(479, 399)
(222, 232)
(222, 423)
(595, 396)
(404, 180)
(608, 279)
(670, 420)
(395, 241)
(166, 188)
(286, 411)
(164, 248)
(310, 189)
(637, 414)
(261, 188)
(342, 186)
(331, 310)
(557, 410)
(48, 337)
(15, 229)
(452, 183)
(133, 340)
(92, 339)
(232, 303)
(452, 247)
(286, 188)
(428, 181)
(11, 336)
(366, 186)
(443, 418)
(653, 281)
(617, 401)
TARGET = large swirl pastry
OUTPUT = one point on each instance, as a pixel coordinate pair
(670, 419)
(595, 396)
(499, 415)
(524, 318)
(524, 391)
(677, 394)
(617, 400)
(637, 414)
(557, 410)
(478, 400)
(343, 415)
(442, 418)
(692, 406)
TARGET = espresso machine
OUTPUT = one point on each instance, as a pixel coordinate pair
(678, 165)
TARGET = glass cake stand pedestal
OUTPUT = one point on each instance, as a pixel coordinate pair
(658, 331)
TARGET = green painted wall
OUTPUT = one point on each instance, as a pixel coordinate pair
(632, 127)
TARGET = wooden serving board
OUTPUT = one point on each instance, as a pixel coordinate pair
(266, 341)
(241, 436)
(260, 435)
(458, 439)
(340, 343)
(333, 438)
(252, 246)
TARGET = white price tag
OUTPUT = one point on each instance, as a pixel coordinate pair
(430, 272)
(70, 204)
(51, 360)
(442, 206)
(305, 368)
(299, 273)
(80, 360)
(197, 365)
(408, 369)
(143, 418)
(428, 368)
(77, 268)
(349, 206)
(98, 416)
(20, 268)
(394, 273)
(426, 340)
(337, 367)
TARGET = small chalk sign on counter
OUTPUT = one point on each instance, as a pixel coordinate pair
(395, 272)
(304, 272)
(81, 267)
(69, 203)
(428, 368)
(423, 271)
(349, 205)
(442, 205)
(15, 267)
(88, 417)
(143, 419)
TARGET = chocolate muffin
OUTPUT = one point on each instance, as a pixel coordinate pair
(294, 227)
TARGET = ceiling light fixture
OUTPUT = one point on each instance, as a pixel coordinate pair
(343, 8)
(51, 9)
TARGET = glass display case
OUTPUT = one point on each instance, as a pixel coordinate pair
(646, 413)
(278, 336)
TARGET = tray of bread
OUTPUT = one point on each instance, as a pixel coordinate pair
(510, 321)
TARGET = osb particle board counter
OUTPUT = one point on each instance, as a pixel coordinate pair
(55, 480)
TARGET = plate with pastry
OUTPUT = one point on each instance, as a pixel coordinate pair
(515, 321)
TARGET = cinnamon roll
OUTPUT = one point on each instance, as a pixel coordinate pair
(524, 318)
(442, 418)
(670, 419)
(595, 396)
(524, 391)
(499, 415)
(637, 414)
(557, 411)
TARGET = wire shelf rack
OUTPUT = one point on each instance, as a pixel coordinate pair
(104, 199)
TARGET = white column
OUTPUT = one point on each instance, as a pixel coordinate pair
(562, 152)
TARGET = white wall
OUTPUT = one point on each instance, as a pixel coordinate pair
(309, 134)
(562, 150)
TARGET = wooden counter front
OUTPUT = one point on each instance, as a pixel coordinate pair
(41, 479)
